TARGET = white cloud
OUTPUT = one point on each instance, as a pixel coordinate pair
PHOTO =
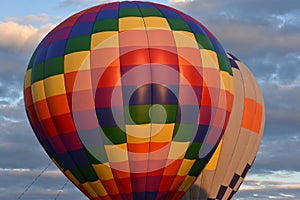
(272, 181)
(32, 19)
(31, 172)
(24, 38)
(283, 185)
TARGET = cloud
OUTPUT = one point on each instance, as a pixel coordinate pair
(71, 2)
(50, 185)
(278, 152)
(33, 19)
(248, 26)
(264, 35)
(21, 38)
(204, 4)
(22, 157)
(279, 179)
(77, 3)
(17, 42)
(264, 7)
(274, 68)
(271, 185)
(260, 194)
(250, 39)
(282, 110)
(17, 141)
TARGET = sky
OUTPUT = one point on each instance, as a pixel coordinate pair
(265, 35)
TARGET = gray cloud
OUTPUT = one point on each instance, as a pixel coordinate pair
(48, 186)
(263, 7)
(278, 153)
(282, 110)
(264, 194)
(270, 185)
(275, 68)
(264, 35)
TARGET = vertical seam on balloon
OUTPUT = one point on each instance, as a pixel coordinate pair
(72, 116)
(218, 161)
(47, 103)
(249, 145)
(224, 124)
(240, 128)
(43, 88)
(178, 103)
(196, 125)
(239, 136)
(151, 95)
(71, 157)
(94, 96)
(258, 99)
(150, 113)
(157, 192)
(121, 86)
(261, 100)
(33, 105)
(118, 10)
(75, 126)
(45, 131)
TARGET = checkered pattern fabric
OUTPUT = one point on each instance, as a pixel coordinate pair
(234, 185)
(129, 99)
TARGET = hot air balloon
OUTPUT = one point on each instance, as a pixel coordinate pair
(237, 150)
(129, 99)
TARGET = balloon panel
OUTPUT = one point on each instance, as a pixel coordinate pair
(237, 150)
(129, 99)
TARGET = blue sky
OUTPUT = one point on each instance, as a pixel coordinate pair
(265, 35)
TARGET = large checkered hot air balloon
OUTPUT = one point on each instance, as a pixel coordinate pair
(129, 99)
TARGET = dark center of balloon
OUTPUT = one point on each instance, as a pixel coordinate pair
(153, 103)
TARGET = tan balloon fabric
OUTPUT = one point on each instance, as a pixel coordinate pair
(236, 152)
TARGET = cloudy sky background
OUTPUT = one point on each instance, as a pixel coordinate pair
(265, 35)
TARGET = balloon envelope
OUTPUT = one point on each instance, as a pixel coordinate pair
(129, 99)
(237, 150)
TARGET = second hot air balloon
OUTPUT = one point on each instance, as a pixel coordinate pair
(237, 150)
